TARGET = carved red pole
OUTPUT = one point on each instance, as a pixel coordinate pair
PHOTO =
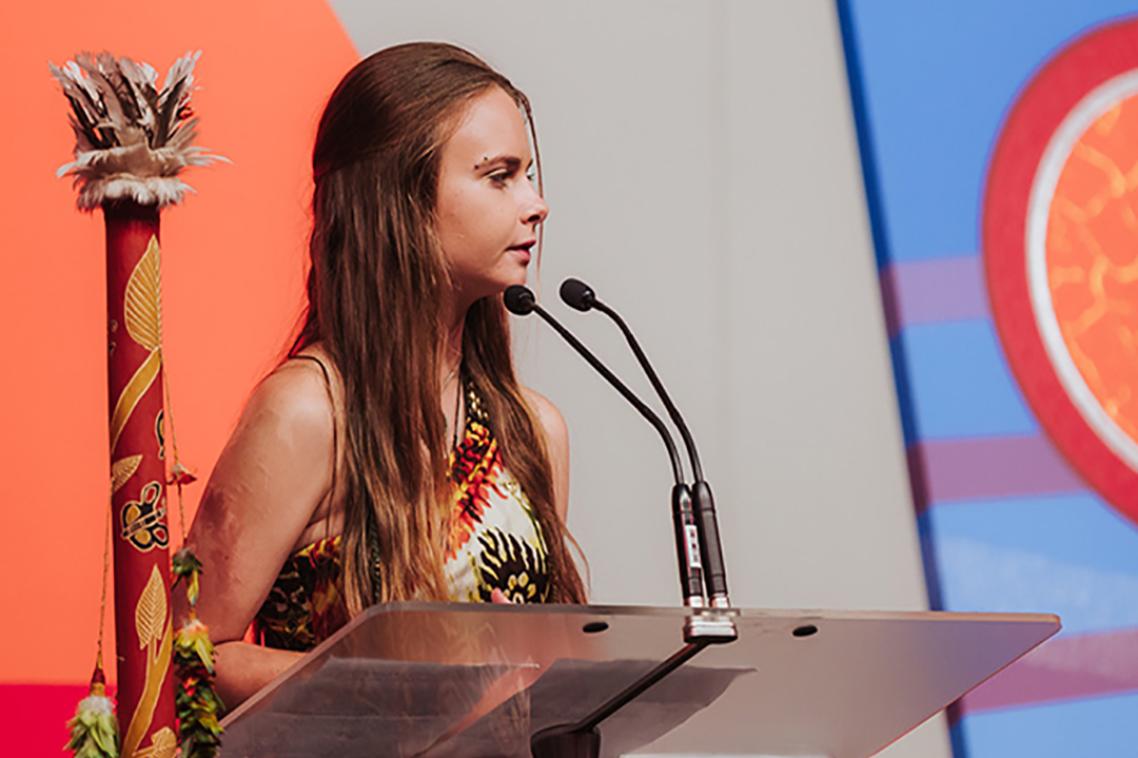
(143, 623)
(132, 140)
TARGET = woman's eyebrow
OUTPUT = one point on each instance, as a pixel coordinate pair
(512, 162)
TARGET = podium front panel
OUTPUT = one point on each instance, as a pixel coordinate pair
(440, 679)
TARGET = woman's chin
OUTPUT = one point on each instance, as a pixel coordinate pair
(519, 277)
(494, 289)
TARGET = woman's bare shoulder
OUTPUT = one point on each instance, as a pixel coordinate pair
(294, 397)
(548, 415)
(285, 430)
(557, 441)
(553, 423)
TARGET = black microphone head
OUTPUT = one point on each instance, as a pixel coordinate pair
(577, 294)
(519, 300)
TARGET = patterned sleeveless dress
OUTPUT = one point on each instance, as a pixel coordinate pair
(495, 542)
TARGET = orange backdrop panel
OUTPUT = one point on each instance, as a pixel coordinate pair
(232, 258)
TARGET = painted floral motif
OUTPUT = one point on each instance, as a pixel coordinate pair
(512, 565)
(304, 605)
(144, 520)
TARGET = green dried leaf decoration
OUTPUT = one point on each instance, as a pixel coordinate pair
(94, 728)
(187, 566)
(195, 701)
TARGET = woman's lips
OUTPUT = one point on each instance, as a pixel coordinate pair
(523, 251)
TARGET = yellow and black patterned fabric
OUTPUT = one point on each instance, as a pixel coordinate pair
(495, 542)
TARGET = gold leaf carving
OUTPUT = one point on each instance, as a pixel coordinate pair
(142, 304)
(163, 744)
(132, 393)
(157, 667)
(122, 470)
(151, 610)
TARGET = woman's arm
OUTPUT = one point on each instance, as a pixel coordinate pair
(243, 668)
(264, 491)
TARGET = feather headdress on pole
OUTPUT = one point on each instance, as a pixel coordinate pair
(132, 139)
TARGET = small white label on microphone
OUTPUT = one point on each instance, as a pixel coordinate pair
(691, 545)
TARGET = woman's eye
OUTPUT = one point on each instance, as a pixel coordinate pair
(500, 178)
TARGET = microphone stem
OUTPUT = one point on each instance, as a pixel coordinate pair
(645, 411)
(700, 503)
(673, 413)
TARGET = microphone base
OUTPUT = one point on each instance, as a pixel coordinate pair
(710, 628)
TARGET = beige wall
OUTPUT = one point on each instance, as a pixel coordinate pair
(707, 149)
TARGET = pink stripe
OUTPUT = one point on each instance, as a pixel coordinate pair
(1068, 667)
(40, 712)
(924, 292)
(988, 467)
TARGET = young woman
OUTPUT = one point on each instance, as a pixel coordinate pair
(394, 455)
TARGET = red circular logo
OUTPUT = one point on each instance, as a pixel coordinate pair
(1060, 240)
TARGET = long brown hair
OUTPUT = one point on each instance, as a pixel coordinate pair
(376, 274)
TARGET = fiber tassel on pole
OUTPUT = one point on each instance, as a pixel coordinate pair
(94, 728)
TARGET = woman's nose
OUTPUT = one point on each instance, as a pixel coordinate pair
(536, 210)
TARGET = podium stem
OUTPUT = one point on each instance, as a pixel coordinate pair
(582, 739)
(637, 688)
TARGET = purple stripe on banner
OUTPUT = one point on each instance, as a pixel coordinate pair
(923, 292)
(988, 467)
(1078, 666)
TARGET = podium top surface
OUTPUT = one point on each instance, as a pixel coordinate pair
(443, 679)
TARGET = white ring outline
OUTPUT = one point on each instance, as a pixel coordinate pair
(1074, 125)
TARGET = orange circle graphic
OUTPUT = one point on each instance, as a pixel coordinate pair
(1060, 239)
(1092, 260)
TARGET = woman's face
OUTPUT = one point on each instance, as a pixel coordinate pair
(488, 209)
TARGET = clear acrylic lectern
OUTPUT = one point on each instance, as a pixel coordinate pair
(442, 679)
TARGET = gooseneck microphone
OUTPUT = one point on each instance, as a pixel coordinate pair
(520, 301)
(580, 296)
(702, 626)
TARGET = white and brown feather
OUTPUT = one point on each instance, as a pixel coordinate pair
(131, 139)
